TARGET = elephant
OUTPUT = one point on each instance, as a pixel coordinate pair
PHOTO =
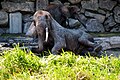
(50, 31)
(59, 12)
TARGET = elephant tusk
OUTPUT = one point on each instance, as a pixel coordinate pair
(46, 37)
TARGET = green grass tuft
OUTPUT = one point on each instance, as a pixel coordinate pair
(18, 64)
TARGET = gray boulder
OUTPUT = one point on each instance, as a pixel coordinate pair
(109, 42)
(108, 14)
(99, 17)
(17, 1)
(83, 18)
(20, 1)
(82, 10)
(15, 22)
(116, 28)
(73, 23)
(3, 18)
(101, 11)
(107, 4)
(41, 4)
(93, 25)
(12, 7)
(117, 14)
(90, 4)
(109, 23)
(74, 1)
(4, 30)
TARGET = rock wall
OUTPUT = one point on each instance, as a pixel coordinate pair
(99, 15)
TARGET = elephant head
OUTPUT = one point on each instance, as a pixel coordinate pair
(59, 12)
(39, 27)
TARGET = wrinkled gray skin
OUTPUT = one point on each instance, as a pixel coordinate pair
(70, 39)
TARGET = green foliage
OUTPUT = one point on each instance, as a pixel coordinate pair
(18, 64)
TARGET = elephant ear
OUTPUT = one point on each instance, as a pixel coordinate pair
(31, 31)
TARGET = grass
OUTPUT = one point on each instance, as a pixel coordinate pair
(17, 64)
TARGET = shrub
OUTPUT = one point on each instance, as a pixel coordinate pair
(19, 64)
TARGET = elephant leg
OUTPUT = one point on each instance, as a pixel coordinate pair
(88, 43)
(58, 46)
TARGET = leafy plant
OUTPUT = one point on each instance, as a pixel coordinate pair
(19, 64)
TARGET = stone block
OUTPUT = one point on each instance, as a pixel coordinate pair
(3, 30)
(101, 11)
(74, 1)
(12, 7)
(82, 10)
(117, 14)
(107, 4)
(90, 4)
(3, 18)
(94, 25)
(17, 1)
(109, 42)
(116, 28)
(108, 14)
(109, 23)
(82, 18)
(41, 4)
(15, 22)
(99, 17)
(73, 23)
